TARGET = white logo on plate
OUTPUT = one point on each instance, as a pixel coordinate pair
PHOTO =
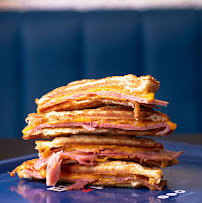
(180, 191)
(163, 197)
(62, 188)
(171, 194)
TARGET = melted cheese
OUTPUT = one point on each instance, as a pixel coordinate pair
(47, 152)
(28, 128)
(173, 126)
(43, 172)
(97, 148)
(101, 160)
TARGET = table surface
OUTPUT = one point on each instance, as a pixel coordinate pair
(184, 184)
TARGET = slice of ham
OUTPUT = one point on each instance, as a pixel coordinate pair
(165, 126)
(144, 155)
(53, 169)
(88, 127)
(53, 163)
(119, 96)
(85, 159)
(91, 126)
(119, 179)
(78, 185)
(88, 158)
(40, 163)
(160, 186)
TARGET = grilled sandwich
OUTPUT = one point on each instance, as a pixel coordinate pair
(69, 155)
(107, 120)
(111, 173)
(93, 126)
(90, 150)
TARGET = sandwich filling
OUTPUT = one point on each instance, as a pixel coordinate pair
(90, 152)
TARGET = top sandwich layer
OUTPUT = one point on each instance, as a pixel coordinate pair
(123, 90)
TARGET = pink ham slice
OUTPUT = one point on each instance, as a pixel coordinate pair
(88, 158)
(79, 184)
(88, 127)
(40, 163)
(53, 169)
(120, 96)
(85, 159)
(132, 127)
(91, 126)
(146, 155)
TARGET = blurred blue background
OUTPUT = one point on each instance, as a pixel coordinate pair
(41, 50)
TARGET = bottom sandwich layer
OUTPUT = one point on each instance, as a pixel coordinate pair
(111, 173)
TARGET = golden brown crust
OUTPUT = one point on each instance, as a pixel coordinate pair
(58, 99)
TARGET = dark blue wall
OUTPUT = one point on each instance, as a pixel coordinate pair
(40, 51)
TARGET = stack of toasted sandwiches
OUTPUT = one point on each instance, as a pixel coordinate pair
(95, 130)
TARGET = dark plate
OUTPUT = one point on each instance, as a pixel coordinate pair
(184, 184)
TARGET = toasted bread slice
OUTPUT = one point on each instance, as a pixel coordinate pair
(122, 90)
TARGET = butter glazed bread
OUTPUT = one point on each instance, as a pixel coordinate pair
(123, 90)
